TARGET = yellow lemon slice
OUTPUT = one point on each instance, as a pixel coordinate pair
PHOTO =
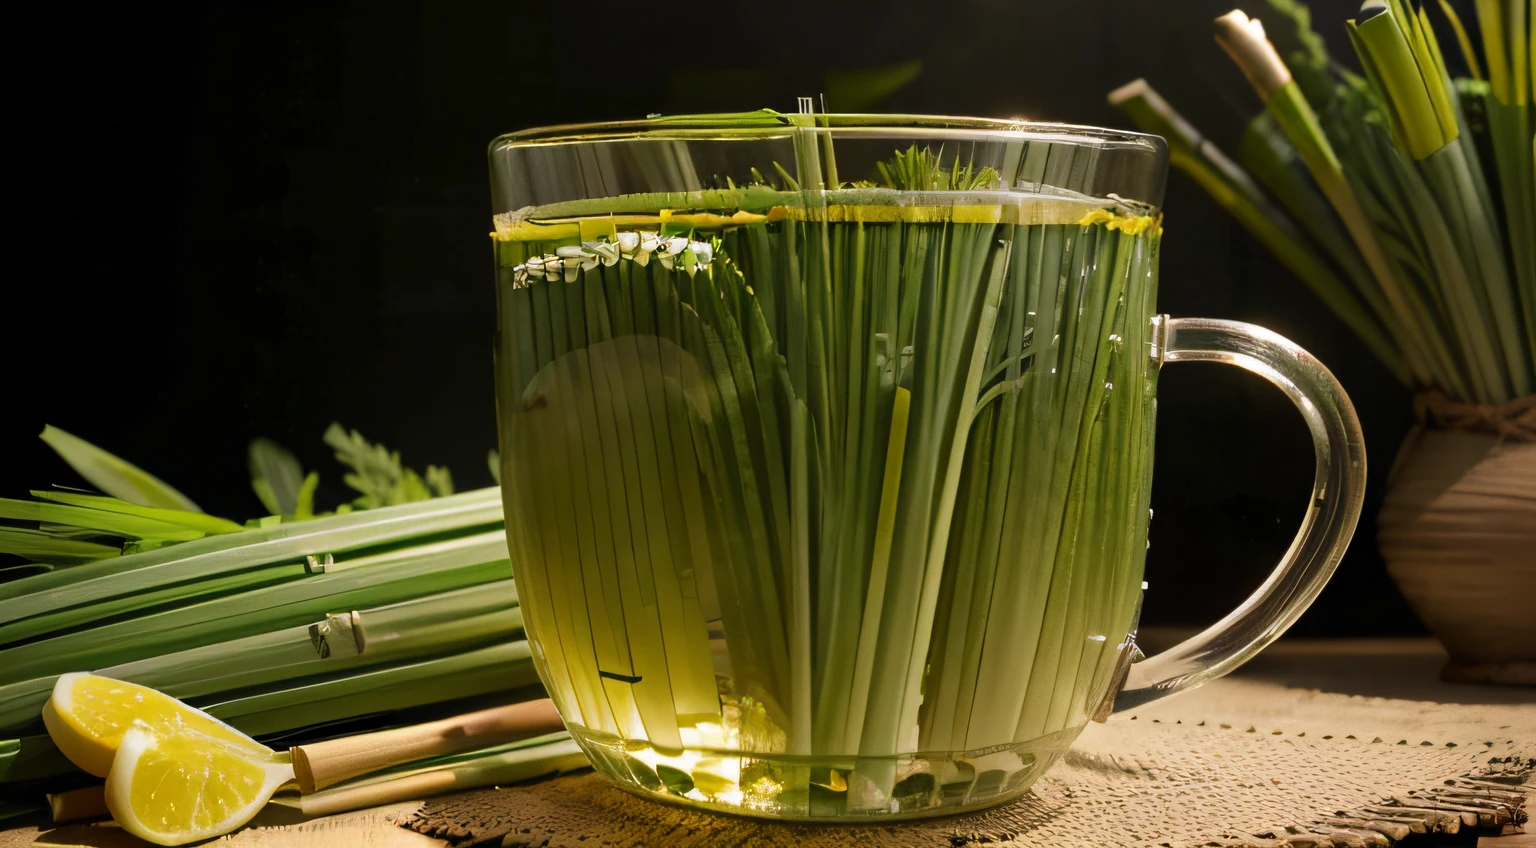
(88, 715)
(186, 786)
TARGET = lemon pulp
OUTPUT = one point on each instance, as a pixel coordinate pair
(186, 786)
(87, 716)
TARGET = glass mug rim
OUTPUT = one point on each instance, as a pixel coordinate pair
(768, 124)
(1131, 166)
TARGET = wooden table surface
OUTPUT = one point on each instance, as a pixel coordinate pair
(1395, 684)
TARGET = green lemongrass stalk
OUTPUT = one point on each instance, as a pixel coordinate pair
(102, 522)
(952, 336)
(1452, 261)
(1265, 153)
(874, 419)
(1397, 59)
(292, 602)
(1421, 247)
(1507, 29)
(1299, 241)
(1510, 129)
(496, 668)
(1427, 355)
(102, 507)
(51, 551)
(1399, 52)
(66, 621)
(152, 598)
(1097, 545)
(1463, 40)
(31, 758)
(338, 645)
(1503, 26)
(543, 756)
(1060, 426)
(77, 593)
(616, 417)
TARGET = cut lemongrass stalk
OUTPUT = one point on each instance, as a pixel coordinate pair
(550, 756)
(1434, 180)
(436, 624)
(322, 764)
(1268, 155)
(1408, 76)
(204, 558)
(184, 594)
(286, 604)
(375, 691)
(1238, 194)
(1412, 93)
(1244, 40)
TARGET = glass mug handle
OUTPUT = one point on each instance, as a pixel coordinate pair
(1337, 494)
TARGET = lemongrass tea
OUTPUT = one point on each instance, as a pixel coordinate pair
(829, 497)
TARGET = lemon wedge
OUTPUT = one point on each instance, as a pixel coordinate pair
(88, 715)
(184, 786)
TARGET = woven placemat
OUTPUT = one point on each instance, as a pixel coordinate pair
(1155, 784)
(1240, 763)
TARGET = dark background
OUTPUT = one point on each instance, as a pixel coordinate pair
(254, 220)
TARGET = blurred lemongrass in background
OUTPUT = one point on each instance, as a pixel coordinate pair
(1405, 199)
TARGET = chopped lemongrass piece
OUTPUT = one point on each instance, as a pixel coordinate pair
(545, 756)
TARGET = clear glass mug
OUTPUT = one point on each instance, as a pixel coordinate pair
(827, 449)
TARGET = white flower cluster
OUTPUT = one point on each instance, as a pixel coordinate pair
(674, 252)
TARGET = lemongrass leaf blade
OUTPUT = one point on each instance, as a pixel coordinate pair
(207, 524)
(113, 475)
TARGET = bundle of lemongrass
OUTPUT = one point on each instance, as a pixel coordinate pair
(1404, 198)
(808, 472)
(394, 609)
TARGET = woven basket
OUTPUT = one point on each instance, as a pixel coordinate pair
(1458, 531)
